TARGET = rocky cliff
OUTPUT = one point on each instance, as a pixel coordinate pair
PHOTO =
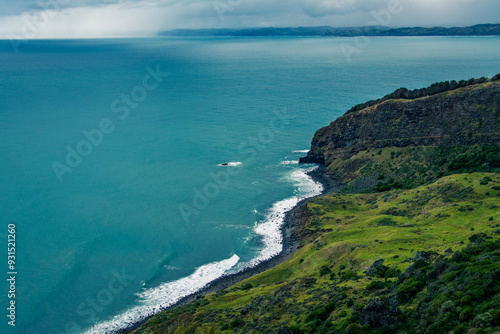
(396, 139)
(464, 116)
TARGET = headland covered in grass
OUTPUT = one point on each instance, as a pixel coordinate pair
(408, 245)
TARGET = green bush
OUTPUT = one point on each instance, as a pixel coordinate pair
(324, 270)
(448, 306)
(460, 329)
(375, 285)
(409, 289)
(236, 323)
(354, 329)
(466, 314)
(483, 320)
(466, 300)
(320, 314)
(485, 180)
(390, 184)
(330, 307)
(392, 272)
(348, 274)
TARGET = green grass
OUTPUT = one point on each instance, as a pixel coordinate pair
(347, 233)
(378, 170)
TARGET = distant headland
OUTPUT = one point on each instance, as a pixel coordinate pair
(327, 31)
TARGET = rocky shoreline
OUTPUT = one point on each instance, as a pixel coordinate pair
(291, 242)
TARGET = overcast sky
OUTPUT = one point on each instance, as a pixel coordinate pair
(109, 18)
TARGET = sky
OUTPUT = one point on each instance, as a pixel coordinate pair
(31, 19)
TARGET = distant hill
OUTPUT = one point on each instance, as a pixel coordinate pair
(326, 31)
(477, 30)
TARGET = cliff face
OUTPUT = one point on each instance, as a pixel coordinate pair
(464, 116)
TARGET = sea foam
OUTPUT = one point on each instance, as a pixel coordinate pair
(230, 164)
(270, 227)
(154, 300)
(289, 162)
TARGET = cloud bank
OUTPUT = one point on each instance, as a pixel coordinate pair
(114, 18)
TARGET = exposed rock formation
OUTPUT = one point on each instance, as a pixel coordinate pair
(464, 116)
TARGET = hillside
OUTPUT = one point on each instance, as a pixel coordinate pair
(411, 244)
(406, 261)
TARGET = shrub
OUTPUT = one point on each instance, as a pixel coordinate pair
(324, 270)
(390, 184)
(460, 329)
(485, 180)
(448, 306)
(320, 314)
(409, 289)
(354, 329)
(483, 320)
(236, 323)
(375, 285)
(476, 237)
(392, 272)
(330, 307)
(466, 300)
(466, 314)
(348, 274)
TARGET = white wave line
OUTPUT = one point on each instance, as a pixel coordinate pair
(167, 294)
(270, 227)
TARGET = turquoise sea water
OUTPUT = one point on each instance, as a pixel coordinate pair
(110, 167)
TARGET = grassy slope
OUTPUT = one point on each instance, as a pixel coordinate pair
(413, 166)
(348, 232)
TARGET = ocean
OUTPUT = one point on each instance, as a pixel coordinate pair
(136, 171)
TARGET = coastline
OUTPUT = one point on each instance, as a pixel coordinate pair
(291, 243)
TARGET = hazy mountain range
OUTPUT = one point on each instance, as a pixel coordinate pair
(476, 30)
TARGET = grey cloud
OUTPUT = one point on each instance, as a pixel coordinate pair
(320, 8)
(22, 6)
(115, 17)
